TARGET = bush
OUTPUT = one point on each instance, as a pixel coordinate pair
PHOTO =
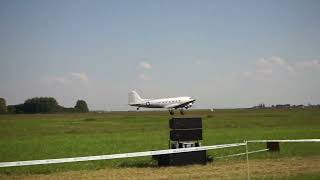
(41, 105)
(11, 109)
(81, 106)
(3, 106)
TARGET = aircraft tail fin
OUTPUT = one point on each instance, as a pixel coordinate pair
(134, 98)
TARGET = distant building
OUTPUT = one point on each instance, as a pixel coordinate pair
(283, 106)
(300, 106)
(260, 106)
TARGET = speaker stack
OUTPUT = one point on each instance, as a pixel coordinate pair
(184, 133)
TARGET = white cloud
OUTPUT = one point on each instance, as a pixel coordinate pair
(275, 66)
(200, 62)
(271, 65)
(80, 76)
(290, 68)
(144, 77)
(309, 64)
(69, 78)
(277, 60)
(247, 74)
(145, 65)
(275, 80)
(265, 71)
(271, 61)
(61, 80)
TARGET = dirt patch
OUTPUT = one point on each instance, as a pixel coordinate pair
(285, 167)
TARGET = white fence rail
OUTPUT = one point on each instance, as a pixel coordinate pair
(284, 140)
(241, 154)
(151, 153)
(117, 156)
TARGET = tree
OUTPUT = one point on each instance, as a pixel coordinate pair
(3, 106)
(18, 109)
(41, 105)
(81, 106)
(11, 109)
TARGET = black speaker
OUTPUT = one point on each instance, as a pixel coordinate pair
(273, 146)
(186, 135)
(186, 123)
(178, 159)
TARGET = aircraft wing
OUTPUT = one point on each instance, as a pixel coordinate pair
(177, 105)
(171, 106)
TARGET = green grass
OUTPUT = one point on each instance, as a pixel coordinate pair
(302, 176)
(29, 137)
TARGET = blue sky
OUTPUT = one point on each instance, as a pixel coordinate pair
(225, 54)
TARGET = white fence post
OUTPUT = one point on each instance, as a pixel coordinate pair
(248, 166)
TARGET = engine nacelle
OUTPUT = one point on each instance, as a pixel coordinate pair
(188, 106)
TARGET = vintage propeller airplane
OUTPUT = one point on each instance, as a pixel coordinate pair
(170, 103)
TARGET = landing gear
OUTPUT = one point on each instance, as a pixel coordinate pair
(171, 112)
(138, 108)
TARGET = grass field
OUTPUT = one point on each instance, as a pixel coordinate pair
(29, 137)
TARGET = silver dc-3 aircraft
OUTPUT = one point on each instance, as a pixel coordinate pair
(169, 103)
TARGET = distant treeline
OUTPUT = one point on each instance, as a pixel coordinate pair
(287, 106)
(41, 105)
